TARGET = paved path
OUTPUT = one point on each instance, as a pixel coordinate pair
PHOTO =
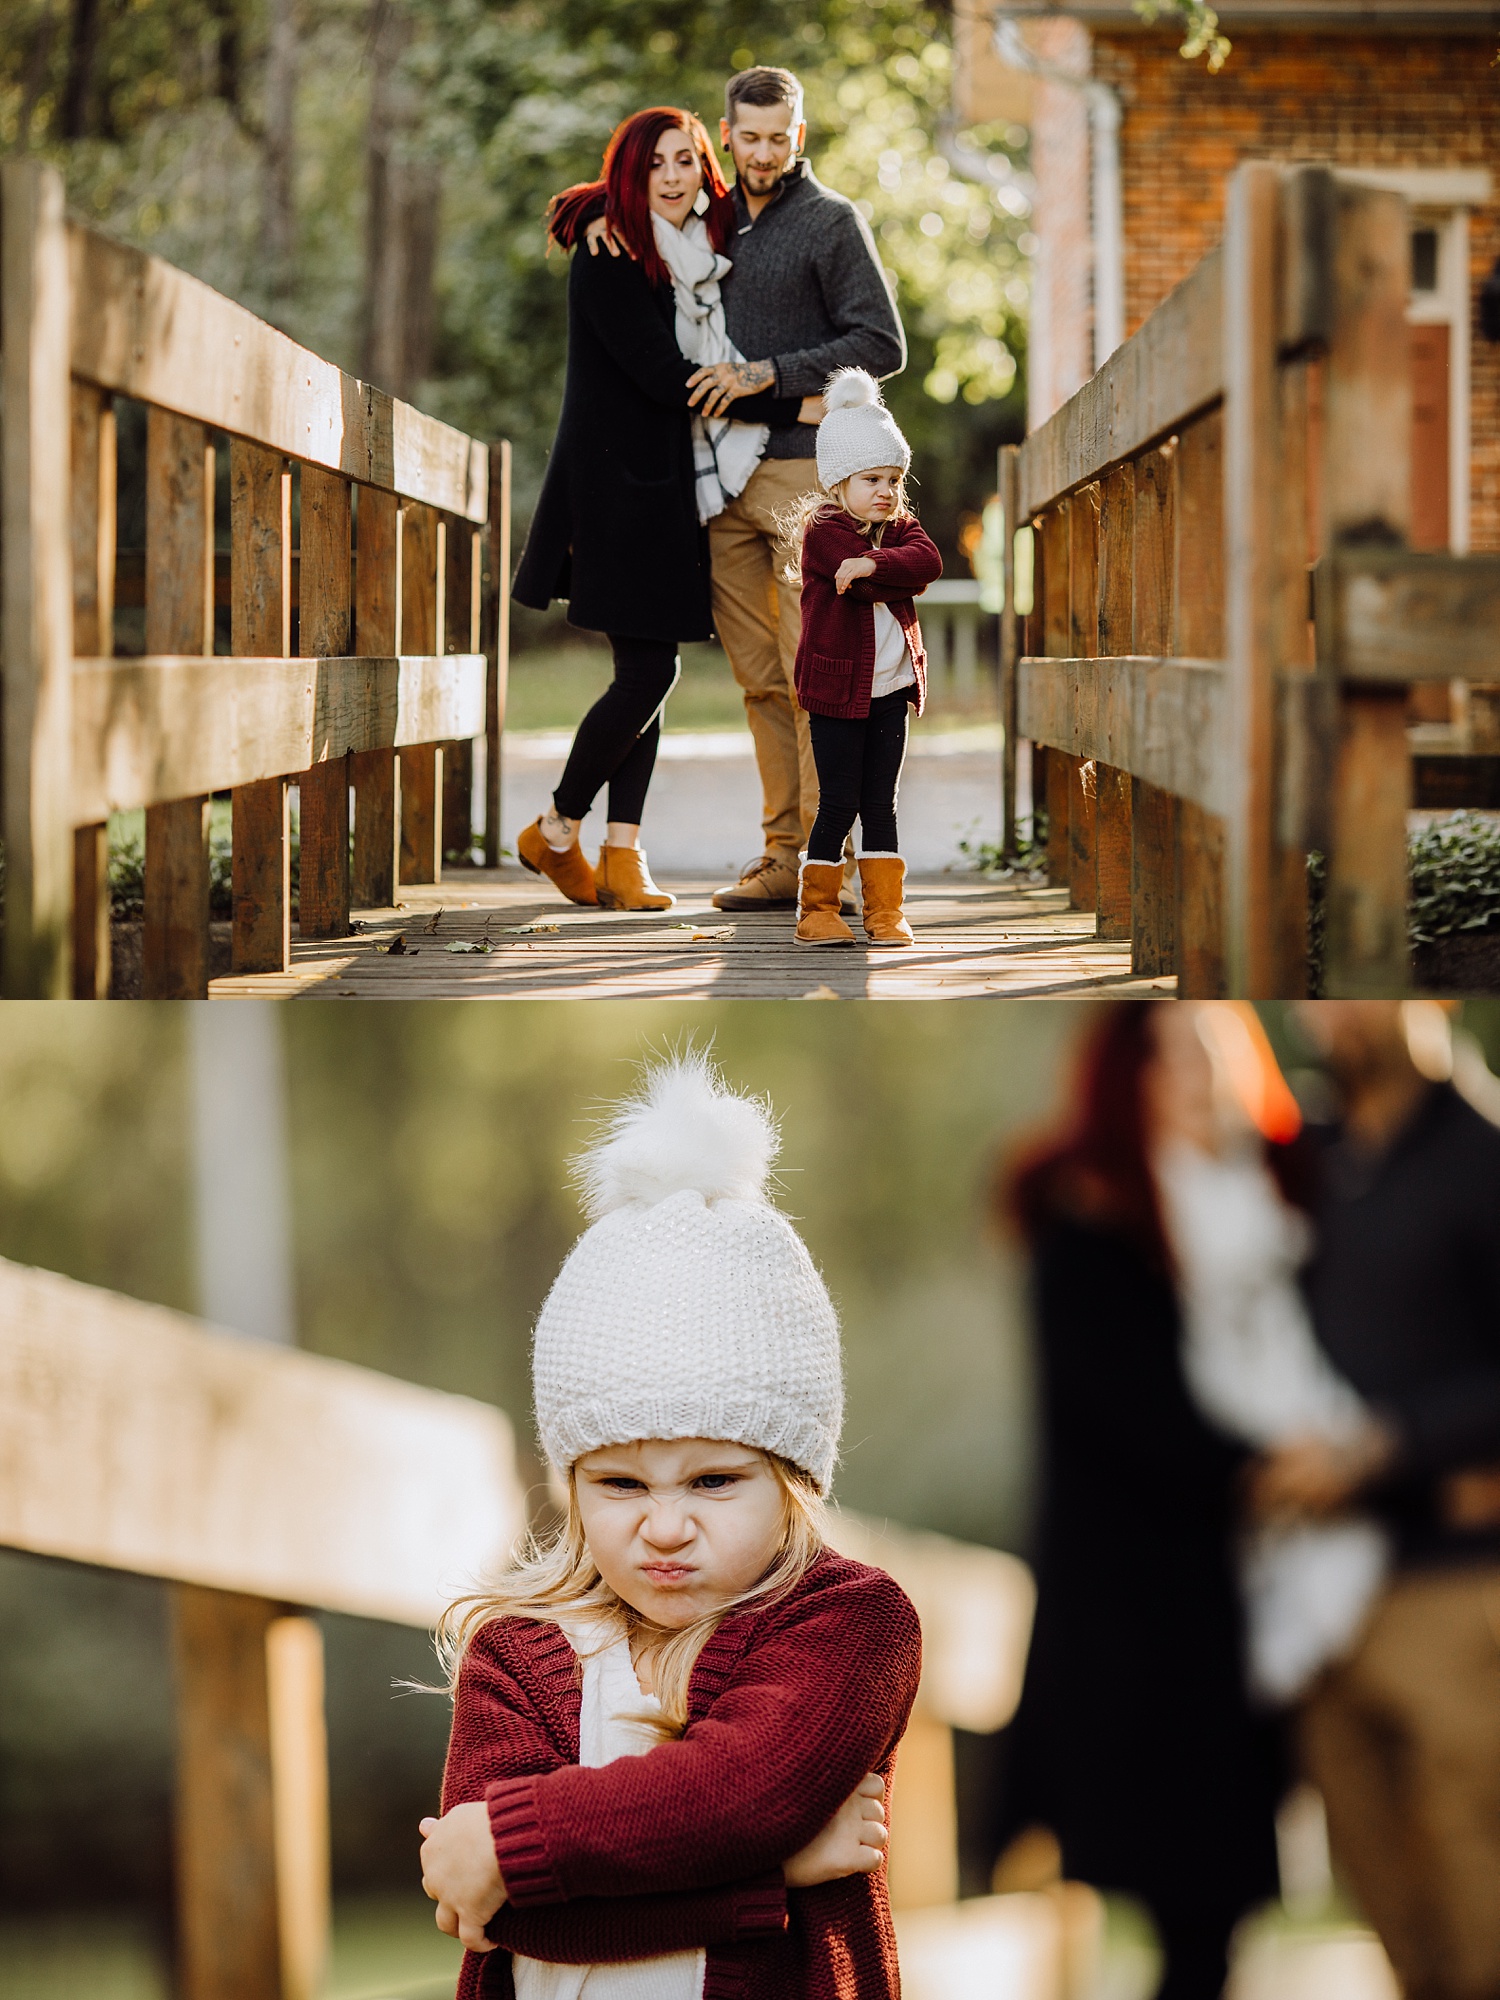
(703, 815)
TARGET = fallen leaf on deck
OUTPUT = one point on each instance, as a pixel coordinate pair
(710, 936)
(431, 930)
(537, 929)
(466, 944)
(396, 947)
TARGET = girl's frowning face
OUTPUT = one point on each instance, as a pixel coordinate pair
(680, 1526)
(871, 496)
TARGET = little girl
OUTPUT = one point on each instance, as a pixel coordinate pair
(675, 1720)
(860, 663)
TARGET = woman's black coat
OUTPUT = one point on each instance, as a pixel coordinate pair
(1135, 1740)
(616, 528)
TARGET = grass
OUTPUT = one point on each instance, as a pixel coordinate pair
(550, 689)
(385, 1947)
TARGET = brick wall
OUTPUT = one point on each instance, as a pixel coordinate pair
(1354, 100)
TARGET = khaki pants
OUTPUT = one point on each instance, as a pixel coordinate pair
(759, 616)
(1403, 1740)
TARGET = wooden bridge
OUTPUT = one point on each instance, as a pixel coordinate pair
(1212, 683)
(1227, 618)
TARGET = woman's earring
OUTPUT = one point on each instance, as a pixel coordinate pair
(700, 202)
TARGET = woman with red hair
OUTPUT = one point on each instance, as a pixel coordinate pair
(640, 463)
(1137, 1743)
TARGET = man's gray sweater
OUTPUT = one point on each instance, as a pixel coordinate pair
(808, 293)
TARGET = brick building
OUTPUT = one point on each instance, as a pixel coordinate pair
(1132, 149)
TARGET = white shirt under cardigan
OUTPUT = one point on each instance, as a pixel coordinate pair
(893, 661)
(608, 1727)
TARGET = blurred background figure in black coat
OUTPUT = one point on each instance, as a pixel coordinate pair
(1136, 1742)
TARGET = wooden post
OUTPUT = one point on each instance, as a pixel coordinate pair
(377, 635)
(260, 530)
(179, 619)
(1055, 645)
(1295, 656)
(1010, 495)
(94, 482)
(1153, 812)
(923, 1860)
(252, 1810)
(1116, 618)
(1367, 496)
(1253, 495)
(461, 621)
(497, 646)
(1198, 598)
(324, 600)
(422, 579)
(1083, 644)
(36, 623)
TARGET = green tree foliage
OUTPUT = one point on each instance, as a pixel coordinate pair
(1201, 23)
(158, 123)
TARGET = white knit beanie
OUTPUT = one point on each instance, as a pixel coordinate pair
(691, 1307)
(858, 432)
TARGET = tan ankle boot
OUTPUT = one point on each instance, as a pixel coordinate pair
(818, 919)
(568, 869)
(882, 877)
(622, 881)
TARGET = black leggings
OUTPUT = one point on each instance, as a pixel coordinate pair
(859, 768)
(616, 741)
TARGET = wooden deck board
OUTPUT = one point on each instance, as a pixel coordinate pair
(974, 938)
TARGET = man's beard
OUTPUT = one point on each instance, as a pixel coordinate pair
(760, 180)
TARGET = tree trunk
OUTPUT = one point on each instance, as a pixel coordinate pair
(78, 90)
(404, 197)
(280, 151)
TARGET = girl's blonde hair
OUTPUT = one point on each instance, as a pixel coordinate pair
(793, 521)
(556, 1573)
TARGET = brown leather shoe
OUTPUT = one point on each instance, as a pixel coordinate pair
(569, 871)
(818, 919)
(769, 883)
(622, 881)
(883, 877)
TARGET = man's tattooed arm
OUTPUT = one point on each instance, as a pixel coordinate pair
(717, 387)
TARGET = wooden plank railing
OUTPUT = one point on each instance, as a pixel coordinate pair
(1196, 728)
(394, 587)
(260, 1483)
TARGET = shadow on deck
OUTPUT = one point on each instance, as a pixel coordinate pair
(974, 939)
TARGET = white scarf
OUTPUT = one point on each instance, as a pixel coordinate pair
(725, 452)
(1255, 1368)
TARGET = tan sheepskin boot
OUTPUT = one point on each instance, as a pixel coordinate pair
(882, 878)
(818, 919)
(622, 881)
(568, 869)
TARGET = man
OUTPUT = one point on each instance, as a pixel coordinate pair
(809, 292)
(1403, 1737)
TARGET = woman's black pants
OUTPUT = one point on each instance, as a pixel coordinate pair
(616, 741)
(859, 768)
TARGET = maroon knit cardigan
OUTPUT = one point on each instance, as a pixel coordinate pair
(835, 666)
(789, 1706)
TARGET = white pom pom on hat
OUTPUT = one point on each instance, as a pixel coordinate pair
(685, 1130)
(690, 1308)
(858, 432)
